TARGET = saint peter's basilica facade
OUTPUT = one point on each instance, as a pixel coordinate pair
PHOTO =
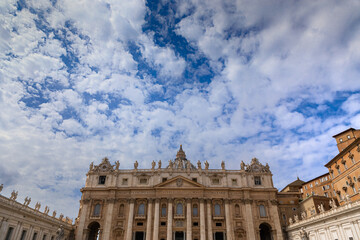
(179, 200)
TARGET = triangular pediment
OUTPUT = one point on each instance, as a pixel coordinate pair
(179, 182)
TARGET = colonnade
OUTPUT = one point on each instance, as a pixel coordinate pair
(206, 231)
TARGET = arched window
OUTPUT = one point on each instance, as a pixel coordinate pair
(97, 210)
(141, 209)
(262, 211)
(163, 210)
(179, 209)
(237, 210)
(217, 210)
(121, 210)
(195, 210)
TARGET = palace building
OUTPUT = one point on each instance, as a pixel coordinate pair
(179, 201)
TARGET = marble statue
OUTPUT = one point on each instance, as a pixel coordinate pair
(27, 201)
(199, 164)
(117, 164)
(136, 164)
(206, 165)
(242, 165)
(1, 187)
(14, 195)
(54, 214)
(37, 206)
(159, 164)
(60, 233)
(153, 164)
(222, 165)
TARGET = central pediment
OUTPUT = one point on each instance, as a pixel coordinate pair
(179, 182)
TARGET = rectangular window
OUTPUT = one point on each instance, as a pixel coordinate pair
(257, 180)
(102, 179)
(345, 165)
(215, 181)
(164, 179)
(143, 180)
(44, 237)
(194, 179)
(218, 224)
(195, 224)
(34, 236)
(311, 185)
(163, 223)
(140, 224)
(125, 181)
(23, 235)
(354, 189)
(262, 211)
(339, 172)
(9, 233)
(234, 182)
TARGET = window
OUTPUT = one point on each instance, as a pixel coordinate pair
(195, 224)
(141, 209)
(326, 194)
(348, 136)
(340, 140)
(262, 211)
(352, 160)
(23, 235)
(216, 181)
(311, 185)
(140, 224)
(218, 224)
(194, 179)
(325, 178)
(354, 189)
(345, 165)
(234, 181)
(323, 188)
(164, 179)
(34, 236)
(284, 217)
(339, 172)
(96, 210)
(125, 181)
(163, 210)
(163, 223)
(9, 233)
(305, 187)
(44, 237)
(143, 180)
(179, 209)
(257, 180)
(102, 179)
(195, 210)
(217, 210)
(121, 210)
(237, 210)
(354, 179)
(316, 183)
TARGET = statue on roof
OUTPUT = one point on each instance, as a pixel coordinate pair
(222, 165)
(199, 164)
(242, 165)
(117, 165)
(153, 164)
(136, 164)
(206, 165)
(159, 164)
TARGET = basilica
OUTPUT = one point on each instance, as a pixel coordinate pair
(178, 200)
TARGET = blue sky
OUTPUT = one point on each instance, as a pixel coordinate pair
(132, 80)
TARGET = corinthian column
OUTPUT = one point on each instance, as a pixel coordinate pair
(188, 219)
(130, 220)
(229, 232)
(209, 220)
(169, 221)
(156, 220)
(149, 219)
(250, 223)
(202, 220)
(108, 219)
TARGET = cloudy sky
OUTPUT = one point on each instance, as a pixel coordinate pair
(132, 80)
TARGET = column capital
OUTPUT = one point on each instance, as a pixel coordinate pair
(188, 200)
(110, 200)
(248, 201)
(157, 200)
(131, 200)
(150, 200)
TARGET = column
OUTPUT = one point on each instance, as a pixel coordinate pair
(202, 220)
(3, 230)
(188, 219)
(84, 205)
(250, 231)
(108, 218)
(149, 220)
(156, 220)
(209, 219)
(130, 220)
(170, 220)
(228, 221)
(274, 212)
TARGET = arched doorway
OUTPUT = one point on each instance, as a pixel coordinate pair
(93, 230)
(265, 231)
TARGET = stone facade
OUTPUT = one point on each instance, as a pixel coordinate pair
(178, 201)
(20, 222)
(341, 223)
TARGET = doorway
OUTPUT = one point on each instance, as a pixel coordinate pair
(179, 236)
(93, 230)
(265, 231)
(219, 236)
(139, 236)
